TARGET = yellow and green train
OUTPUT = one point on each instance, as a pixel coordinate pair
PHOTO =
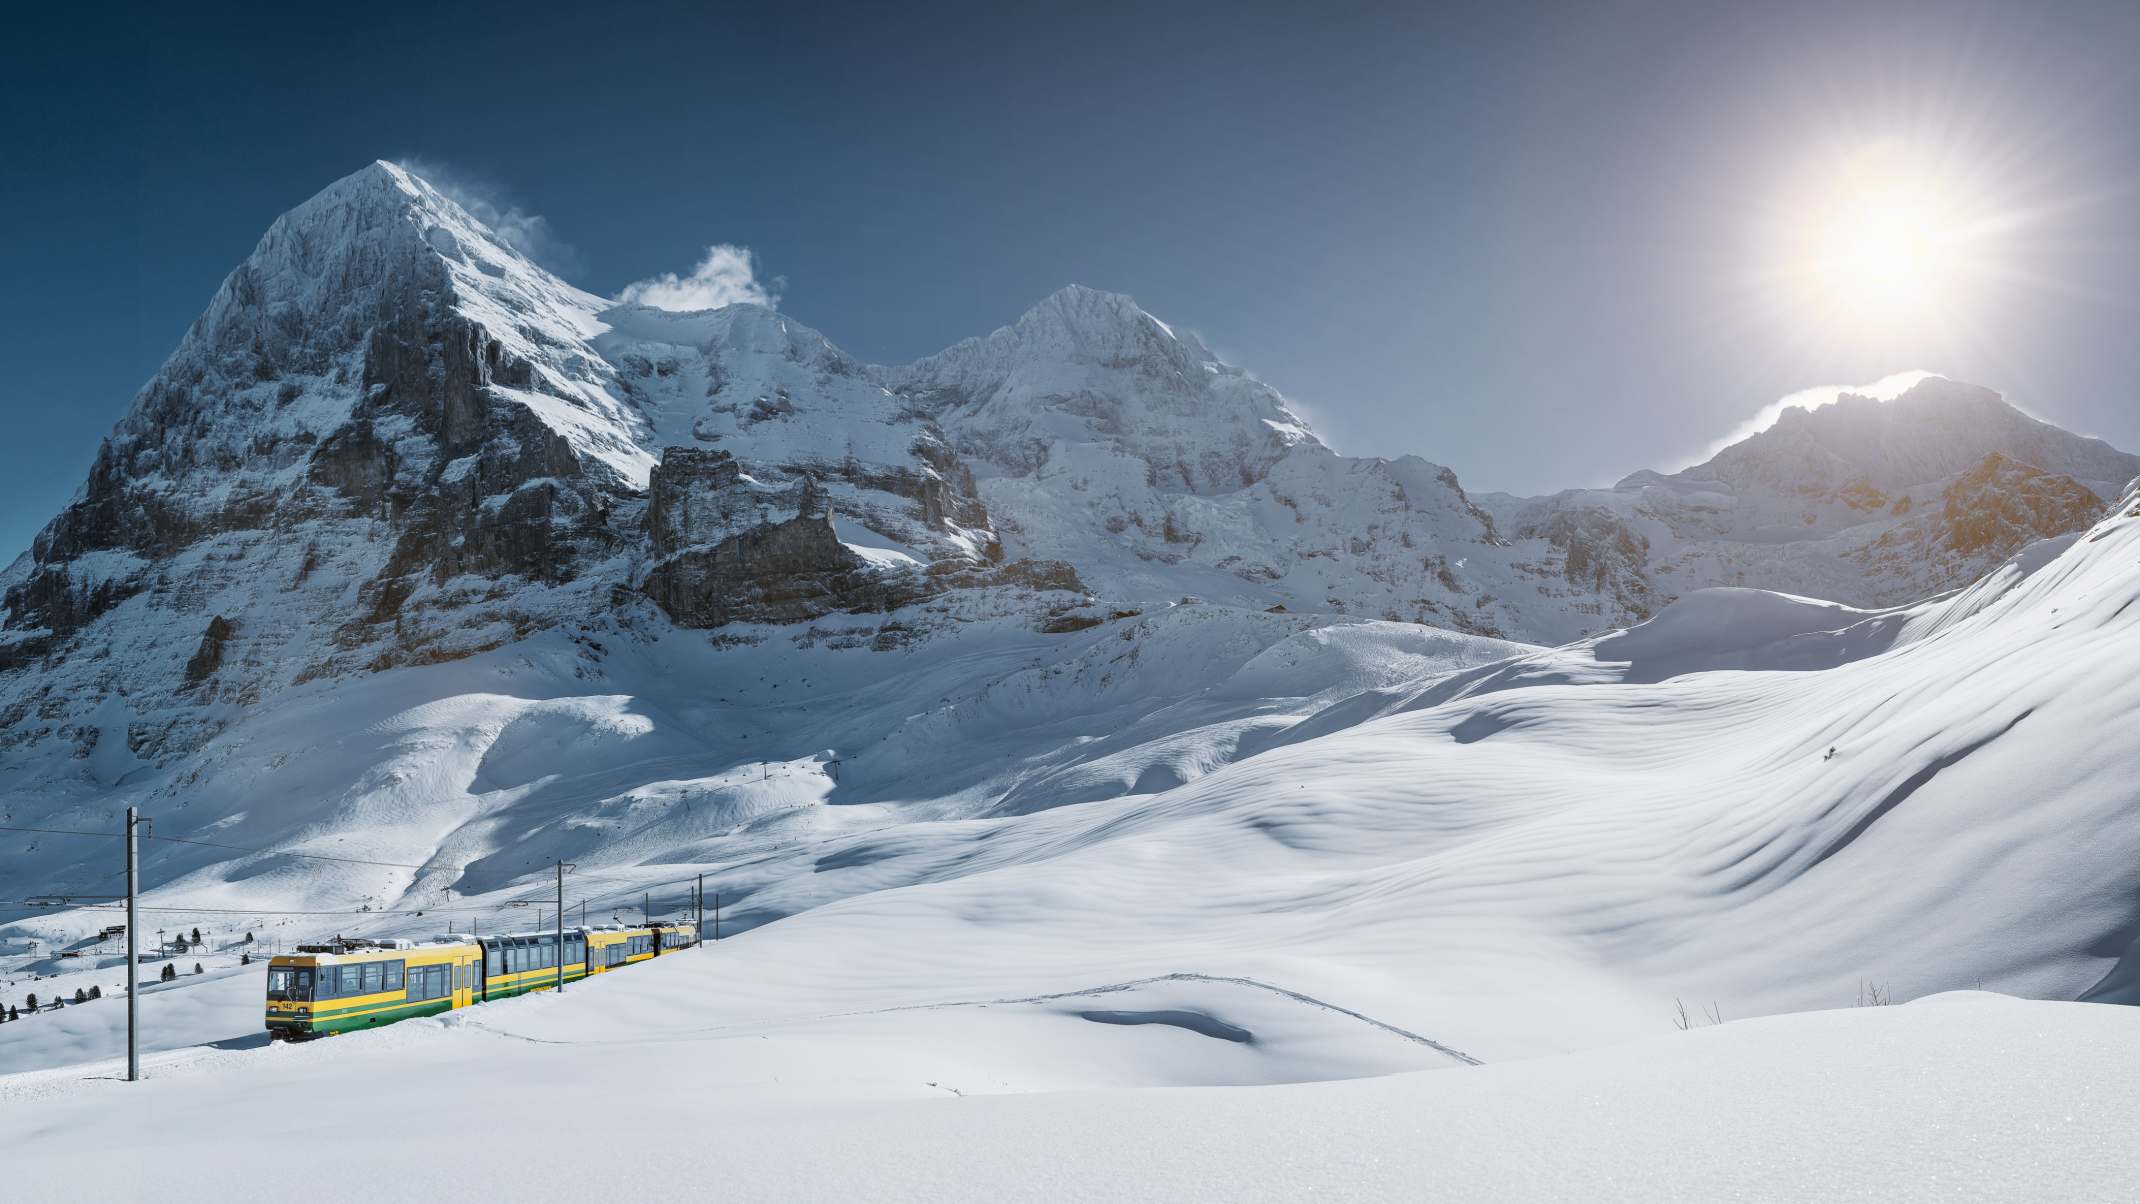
(348, 985)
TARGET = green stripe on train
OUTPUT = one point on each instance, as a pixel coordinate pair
(343, 1024)
(371, 1015)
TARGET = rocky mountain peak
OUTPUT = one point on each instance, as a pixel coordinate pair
(1088, 374)
(1093, 324)
(1936, 428)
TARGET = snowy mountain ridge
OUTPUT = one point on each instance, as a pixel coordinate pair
(392, 439)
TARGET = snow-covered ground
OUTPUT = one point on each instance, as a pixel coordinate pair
(1210, 903)
(654, 1088)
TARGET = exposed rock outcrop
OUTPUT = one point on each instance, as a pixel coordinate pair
(209, 656)
(782, 572)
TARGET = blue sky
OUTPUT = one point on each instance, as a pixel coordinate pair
(1523, 240)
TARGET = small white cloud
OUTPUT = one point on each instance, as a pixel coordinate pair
(525, 232)
(726, 276)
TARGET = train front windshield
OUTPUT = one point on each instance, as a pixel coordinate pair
(290, 984)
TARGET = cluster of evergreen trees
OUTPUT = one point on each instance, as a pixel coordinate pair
(81, 995)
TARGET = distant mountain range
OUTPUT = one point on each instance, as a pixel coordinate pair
(393, 440)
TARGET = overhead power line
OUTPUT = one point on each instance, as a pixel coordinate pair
(60, 831)
(215, 844)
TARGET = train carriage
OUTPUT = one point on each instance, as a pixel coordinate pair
(352, 984)
(326, 989)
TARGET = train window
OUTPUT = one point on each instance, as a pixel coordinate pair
(437, 982)
(393, 976)
(374, 977)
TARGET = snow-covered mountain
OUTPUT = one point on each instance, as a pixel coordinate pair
(414, 553)
(1874, 503)
(393, 439)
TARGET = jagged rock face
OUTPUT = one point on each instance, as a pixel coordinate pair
(339, 468)
(1984, 516)
(782, 572)
(693, 499)
(492, 490)
(788, 407)
(1601, 553)
(2002, 505)
(209, 656)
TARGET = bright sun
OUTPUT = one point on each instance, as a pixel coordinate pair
(1884, 249)
(1878, 243)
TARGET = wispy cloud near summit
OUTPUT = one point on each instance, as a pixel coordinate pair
(727, 275)
(525, 232)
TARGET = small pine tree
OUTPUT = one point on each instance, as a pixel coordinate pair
(96, 992)
(32, 1001)
(196, 967)
(245, 959)
(80, 995)
(14, 1013)
(170, 972)
(196, 936)
(248, 938)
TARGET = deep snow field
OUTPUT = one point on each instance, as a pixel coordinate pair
(1199, 903)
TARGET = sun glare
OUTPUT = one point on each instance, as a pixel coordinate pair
(1884, 250)
(1878, 243)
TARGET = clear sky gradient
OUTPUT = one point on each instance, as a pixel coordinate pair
(1521, 240)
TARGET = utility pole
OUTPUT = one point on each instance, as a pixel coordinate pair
(133, 950)
(698, 904)
(717, 915)
(646, 914)
(560, 927)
